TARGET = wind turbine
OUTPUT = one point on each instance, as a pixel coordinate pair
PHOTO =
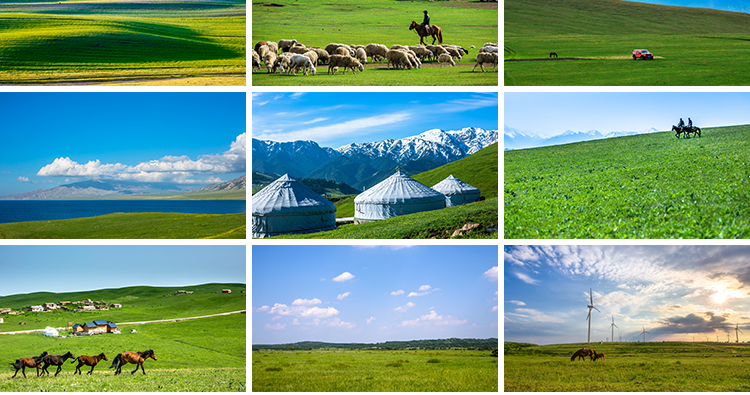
(588, 318)
(644, 334)
(613, 326)
(737, 332)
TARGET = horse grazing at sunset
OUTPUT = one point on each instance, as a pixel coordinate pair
(136, 358)
(583, 353)
(88, 361)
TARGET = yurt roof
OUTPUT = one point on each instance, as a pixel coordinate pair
(453, 186)
(398, 188)
(289, 195)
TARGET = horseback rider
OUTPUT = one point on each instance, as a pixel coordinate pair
(681, 125)
(426, 23)
(690, 123)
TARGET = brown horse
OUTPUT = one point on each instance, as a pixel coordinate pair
(23, 363)
(56, 360)
(599, 356)
(88, 361)
(583, 353)
(136, 358)
(435, 32)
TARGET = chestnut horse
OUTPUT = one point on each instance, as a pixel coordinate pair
(56, 360)
(583, 353)
(599, 356)
(136, 358)
(435, 32)
(88, 361)
(23, 363)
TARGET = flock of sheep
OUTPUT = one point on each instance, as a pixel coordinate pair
(296, 57)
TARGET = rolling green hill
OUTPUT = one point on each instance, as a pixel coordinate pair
(478, 169)
(595, 39)
(650, 186)
(140, 303)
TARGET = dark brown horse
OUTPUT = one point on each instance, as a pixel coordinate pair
(56, 360)
(23, 363)
(435, 32)
(136, 358)
(88, 361)
(583, 353)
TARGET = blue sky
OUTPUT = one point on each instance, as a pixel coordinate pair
(369, 294)
(49, 139)
(676, 293)
(27, 269)
(724, 5)
(339, 118)
(549, 114)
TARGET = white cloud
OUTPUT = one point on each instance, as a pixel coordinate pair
(178, 169)
(433, 319)
(343, 277)
(406, 307)
(306, 302)
(322, 133)
(491, 274)
(371, 319)
(517, 302)
(494, 308)
(275, 327)
(399, 292)
(424, 288)
(23, 179)
(526, 278)
(263, 308)
(336, 322)
(302, 310)
(343, 295)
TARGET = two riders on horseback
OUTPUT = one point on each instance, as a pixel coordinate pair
(681, 128)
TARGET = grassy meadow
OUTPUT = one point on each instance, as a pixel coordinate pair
(651, 186)
(595, 39)
(116, 42)
(628, 367)
(374, 371)
(206, 354)
(317, 23)
(132, 226)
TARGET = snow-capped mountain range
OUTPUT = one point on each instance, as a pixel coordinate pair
(306, 159)
(517, 139)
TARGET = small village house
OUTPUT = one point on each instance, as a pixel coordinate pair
(50, 306)
(37, 309)
(87, 308)
(115, 305)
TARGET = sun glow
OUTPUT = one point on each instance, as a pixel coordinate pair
(723, 294)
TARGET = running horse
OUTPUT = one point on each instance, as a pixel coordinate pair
(56, 360)
(88, 361)
(435, 32)
(23, 363)
(583, 353)
(137, 358)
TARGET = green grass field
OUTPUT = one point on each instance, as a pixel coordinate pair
(206, 354)
(693, 46)
(139, 304)
(318, 23)
(651, 186)
(116, 42)
(374, 371)
(132, 226)
(628, 367)
(436, 224)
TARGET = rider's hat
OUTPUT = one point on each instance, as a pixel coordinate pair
(425, 11)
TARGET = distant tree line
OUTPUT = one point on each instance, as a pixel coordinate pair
(438, 344)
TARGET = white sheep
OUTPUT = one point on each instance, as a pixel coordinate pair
(256, 61)
(446, 58)
(489, 48)
(331, 48)
(361, 55)
(283, 63)
(269, 59)
(453, 52)
(274, 47)
(376, 51)
(421, 51)
(298, 49)
(398, 58)
(284, 45)
(312, 55)
(301, 62)
(342, 51)
(322, 54)
(345, 62)
(486, 57)
(436, 50)
(263, 50)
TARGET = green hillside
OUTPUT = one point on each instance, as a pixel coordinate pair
(648, 186)
(594, 41)
(478, 169)
(140, 303)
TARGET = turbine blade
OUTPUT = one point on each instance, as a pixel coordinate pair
(596, 309)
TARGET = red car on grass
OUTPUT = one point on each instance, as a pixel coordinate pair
(642, 54)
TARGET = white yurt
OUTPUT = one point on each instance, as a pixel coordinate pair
(50, 331)
(456, 191)
(287, 206)
(398, 194)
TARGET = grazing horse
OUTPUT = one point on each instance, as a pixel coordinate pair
(599, 356)
(56, 360)
(553, 54)
(23, 363)
(435, 32)
(583, 353)
(136, 358)
(88, 361)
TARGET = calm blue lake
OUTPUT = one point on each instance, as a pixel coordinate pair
(44, 210)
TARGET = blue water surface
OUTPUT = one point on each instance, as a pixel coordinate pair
(44, 210)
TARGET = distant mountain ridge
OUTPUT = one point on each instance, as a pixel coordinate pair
(517, 139)
(238, 184)
(434, 344)
(356, 164)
